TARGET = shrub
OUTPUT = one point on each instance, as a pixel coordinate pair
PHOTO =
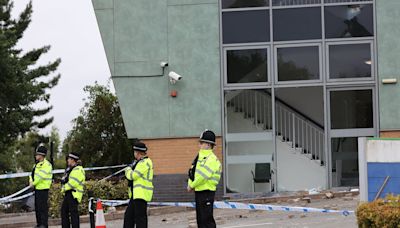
(102, 190)
(381, 213)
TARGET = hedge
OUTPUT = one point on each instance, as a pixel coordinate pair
(101, 189)
(381, 213)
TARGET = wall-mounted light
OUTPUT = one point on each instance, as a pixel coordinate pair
(368, 62)
(389, 81)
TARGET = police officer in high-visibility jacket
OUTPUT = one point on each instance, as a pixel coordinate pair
(73, 183)
(40, 180)
(140, 182)
(204, 176)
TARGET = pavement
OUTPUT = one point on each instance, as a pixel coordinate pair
(174, 217)
(228, 218)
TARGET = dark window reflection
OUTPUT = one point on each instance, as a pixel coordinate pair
(349, 21)
(297, 24)
(247, 66)
(243, 3)
(245, 26)
(291, 2)
(345, 161)
(298, 63)
(350, 61)
(351, 109)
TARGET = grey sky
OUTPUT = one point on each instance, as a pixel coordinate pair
(70, 27)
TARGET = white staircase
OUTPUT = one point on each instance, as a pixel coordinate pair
(296, 130)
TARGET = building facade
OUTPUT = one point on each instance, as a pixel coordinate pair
(287, 85)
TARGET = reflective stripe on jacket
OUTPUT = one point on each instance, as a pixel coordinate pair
(142, 178)
(76, 183)
(42, 175)
(208, 172)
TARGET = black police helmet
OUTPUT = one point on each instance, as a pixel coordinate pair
(208, 137)
(139, 146)
(41, 150)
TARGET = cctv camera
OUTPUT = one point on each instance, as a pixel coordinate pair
(163, 64)
(174, 76)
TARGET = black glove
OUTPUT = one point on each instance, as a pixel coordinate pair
(133, 164)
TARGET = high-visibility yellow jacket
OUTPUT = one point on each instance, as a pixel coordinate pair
(141, 180)
(208, 172)
(75, 183)
(42, 176)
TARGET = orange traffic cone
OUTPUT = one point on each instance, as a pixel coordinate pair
(100, 220)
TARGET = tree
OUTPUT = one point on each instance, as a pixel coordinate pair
(98, 133)
(22, 81)
(20, 157)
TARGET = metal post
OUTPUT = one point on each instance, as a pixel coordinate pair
(255, 110)
(91, 209)
(52, 153)
(294, 131)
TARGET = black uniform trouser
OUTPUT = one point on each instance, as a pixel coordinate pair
(136, 214)
(42, 207)
(69, 208)
(204, 209)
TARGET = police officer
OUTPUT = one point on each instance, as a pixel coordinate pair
(140, 182)
(73, 183)
(40, 180)
(204, 176)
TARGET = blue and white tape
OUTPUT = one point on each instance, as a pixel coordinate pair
(5, 201)
(57, 171)
(233, 205)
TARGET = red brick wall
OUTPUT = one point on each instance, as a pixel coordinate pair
(390, 134)
(174, 156)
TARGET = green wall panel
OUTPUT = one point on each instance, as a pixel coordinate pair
(140, 30)
(193, 35)
(103, 4)
(144, 106)
(145, 68)
(388, 33)
(190, 2)
(105, 22)
(184, 33)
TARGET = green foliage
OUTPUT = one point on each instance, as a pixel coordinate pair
(289, 70)
(22, 81)
(101, 190)
(381, 213)
(20, 157)
(98, 133)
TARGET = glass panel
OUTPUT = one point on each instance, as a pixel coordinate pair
(299, 117)
(350, 61)
(340, 1)
(247, 65)
(249, 144)
(248, 111)
(294, 2)
(243, 3)
(297, 24)
(298, 63)
(349, 21)
(245, 26)
(351, 109)
(344, 161)
(250, 177)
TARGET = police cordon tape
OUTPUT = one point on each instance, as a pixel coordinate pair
(8, 199)
(57, 171)
(234, 205)
(15, 194)
(16, 198)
